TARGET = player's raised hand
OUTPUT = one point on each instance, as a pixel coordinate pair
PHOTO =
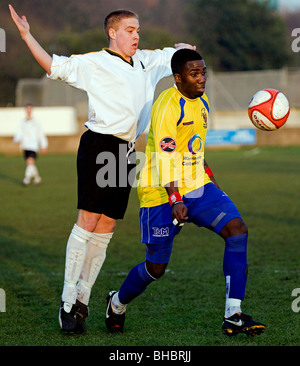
(21, 22)
(41, 56)
(180, 46)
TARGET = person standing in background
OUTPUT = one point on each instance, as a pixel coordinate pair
(32, 139)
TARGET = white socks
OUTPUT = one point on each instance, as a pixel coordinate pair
(95, 256)
(85, 256)
(31, 171)
(232, 306)
(75, 256)
(118, 307)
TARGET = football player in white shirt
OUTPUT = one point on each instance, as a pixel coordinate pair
(120, 83)
(32, 140)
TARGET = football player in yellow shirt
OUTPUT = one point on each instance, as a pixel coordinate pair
(177, 186)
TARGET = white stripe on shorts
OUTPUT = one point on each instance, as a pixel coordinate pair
(218, 219)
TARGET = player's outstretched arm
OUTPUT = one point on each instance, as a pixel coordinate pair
(41, 56)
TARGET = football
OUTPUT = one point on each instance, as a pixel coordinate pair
(268, 109)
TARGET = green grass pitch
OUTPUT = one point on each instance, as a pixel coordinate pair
(186, 306)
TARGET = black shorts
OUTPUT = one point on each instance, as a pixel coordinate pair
(30, 154)
(103, 169)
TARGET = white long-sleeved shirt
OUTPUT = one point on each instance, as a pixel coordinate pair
(120, 95)
(31, 136)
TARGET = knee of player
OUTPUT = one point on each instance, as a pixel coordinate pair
(106, 224)
(242, 228)
(87, 220)
(156, 270)
(30, 161)
(234, 227)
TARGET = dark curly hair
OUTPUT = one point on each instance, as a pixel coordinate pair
(181, 57)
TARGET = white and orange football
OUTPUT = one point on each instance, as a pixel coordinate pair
(268, 109)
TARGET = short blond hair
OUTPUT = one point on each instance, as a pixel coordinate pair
(112, 19)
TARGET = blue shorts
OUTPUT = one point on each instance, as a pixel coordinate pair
(207, 206)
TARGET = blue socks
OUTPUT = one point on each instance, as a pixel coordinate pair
(135, 283)
(235, 266)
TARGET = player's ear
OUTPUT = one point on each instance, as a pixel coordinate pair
(112, 33)
(177, 78)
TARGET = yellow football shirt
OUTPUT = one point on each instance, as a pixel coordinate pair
(175, 147)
